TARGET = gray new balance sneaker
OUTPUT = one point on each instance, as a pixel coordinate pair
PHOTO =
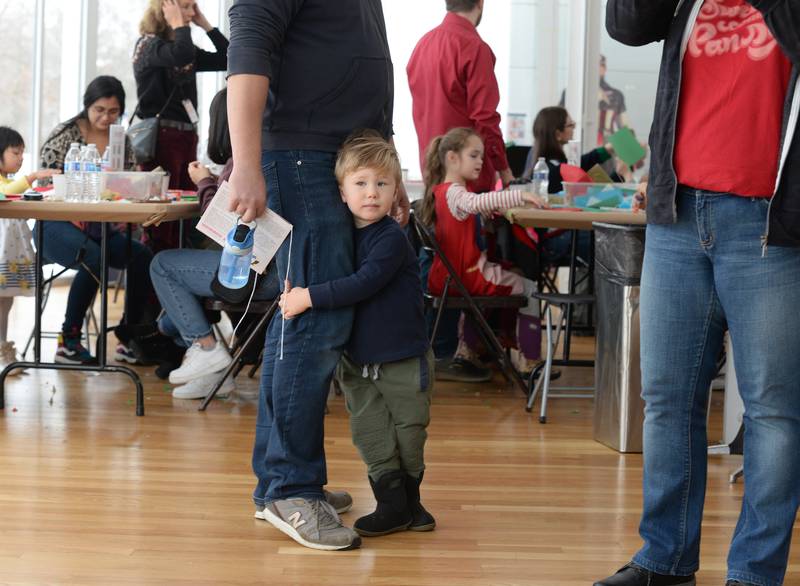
(313, 523)
(338, 499)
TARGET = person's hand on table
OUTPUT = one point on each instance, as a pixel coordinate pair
(401, 207)
(640, 198)
(41, 174)
(198, 172)
(248, 192)
(534, 200)
(294, 301)
(506, 176)
(172, 13)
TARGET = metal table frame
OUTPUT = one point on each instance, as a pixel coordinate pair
(102, 365)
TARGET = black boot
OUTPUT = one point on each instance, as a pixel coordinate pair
(391, 514)
(633, 575)
(421, 520)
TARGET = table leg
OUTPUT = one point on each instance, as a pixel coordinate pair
(573, 261)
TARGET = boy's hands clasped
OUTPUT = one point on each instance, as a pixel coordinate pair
(294, 301)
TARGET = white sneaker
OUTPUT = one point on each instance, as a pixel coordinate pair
(8, 354)
(199, 363)
(199, 388)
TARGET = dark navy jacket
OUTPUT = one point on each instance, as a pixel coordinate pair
(639, 22)
(387, 292)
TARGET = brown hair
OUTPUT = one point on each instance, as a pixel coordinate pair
(435, 171)
(154, 23)
(460, 5)
(368, 149)
(548, 122)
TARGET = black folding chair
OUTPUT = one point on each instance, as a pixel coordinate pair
(243, 342)
(470, 304)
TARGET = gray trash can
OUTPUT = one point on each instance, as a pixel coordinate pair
(618, 406)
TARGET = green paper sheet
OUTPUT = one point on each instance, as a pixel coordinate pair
(627, 147)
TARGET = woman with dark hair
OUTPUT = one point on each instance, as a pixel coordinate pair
(552, 129)
(76, 244)
(103, 105)
(182, 278)
(165, 65)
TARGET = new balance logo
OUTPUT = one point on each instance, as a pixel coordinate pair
(295, 520)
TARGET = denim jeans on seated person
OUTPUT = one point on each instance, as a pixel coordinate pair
(182, 278)
(288, 455)
(700, 275)
(62, 244)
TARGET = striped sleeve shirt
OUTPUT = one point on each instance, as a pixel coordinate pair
(463, 203)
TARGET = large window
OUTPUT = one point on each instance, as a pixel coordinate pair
(117, 31)
(17, 54)
(51, 67)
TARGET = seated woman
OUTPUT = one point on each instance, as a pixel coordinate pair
(182, 278)
(77, 244)
(552, 129)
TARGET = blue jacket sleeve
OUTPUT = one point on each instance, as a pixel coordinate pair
(258, 28)
(387, 256)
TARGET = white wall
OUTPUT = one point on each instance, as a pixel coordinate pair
(406, 22)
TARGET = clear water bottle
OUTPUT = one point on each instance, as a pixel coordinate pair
(541, 180)
(72, 173)
(234, 264)
(90, 166)
(106, 164)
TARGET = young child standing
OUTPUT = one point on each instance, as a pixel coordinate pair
(17, 268)
(453, 160)
(386, 371)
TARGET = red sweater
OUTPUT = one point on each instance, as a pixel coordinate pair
(452, 82)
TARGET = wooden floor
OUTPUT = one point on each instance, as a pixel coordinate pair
(91, 494)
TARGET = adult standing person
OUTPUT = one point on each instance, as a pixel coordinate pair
(721, 249)
(452, 82)
(277, 48)
(165, 66)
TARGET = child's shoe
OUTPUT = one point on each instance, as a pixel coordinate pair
(71, 351)
(392, 512)
(421, 520)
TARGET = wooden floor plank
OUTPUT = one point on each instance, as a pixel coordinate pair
(93, 495)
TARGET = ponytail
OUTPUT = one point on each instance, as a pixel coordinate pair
(434, 175)
(435, 171)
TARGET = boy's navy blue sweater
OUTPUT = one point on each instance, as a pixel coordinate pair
(387, 292)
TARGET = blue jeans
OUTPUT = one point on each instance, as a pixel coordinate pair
(288, 455)
(182, 278)
(700, 275)
(62, 243)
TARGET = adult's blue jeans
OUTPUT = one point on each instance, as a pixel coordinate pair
(62, 244)
(182, 278)
(700, 275)
(288, 455)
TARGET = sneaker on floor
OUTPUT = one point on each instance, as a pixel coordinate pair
(313, 523)
(340, 500)
(124, 354)
(71, 351)
(461, 370)
(198, 362)
(199, 388)
(8, 354)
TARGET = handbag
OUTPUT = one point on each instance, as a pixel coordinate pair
(143, 135)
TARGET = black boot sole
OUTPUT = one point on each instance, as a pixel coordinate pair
(397, 529)
(422, 528)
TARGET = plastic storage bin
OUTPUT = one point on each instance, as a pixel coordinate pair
(599, 195)
(134, 185)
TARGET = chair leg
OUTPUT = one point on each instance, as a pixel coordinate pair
(442, 304)
(265, 319)
(505, 364)
(548, 365)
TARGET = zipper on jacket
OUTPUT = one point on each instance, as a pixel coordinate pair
(687, 33)
(794, 114)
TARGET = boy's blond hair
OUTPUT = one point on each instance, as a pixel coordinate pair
(367, 149)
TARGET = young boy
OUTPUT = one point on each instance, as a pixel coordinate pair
(386, 372)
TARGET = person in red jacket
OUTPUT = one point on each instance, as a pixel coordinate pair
(452, 83)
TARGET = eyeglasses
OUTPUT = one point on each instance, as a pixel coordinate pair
(570, 125)
(101, 111)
